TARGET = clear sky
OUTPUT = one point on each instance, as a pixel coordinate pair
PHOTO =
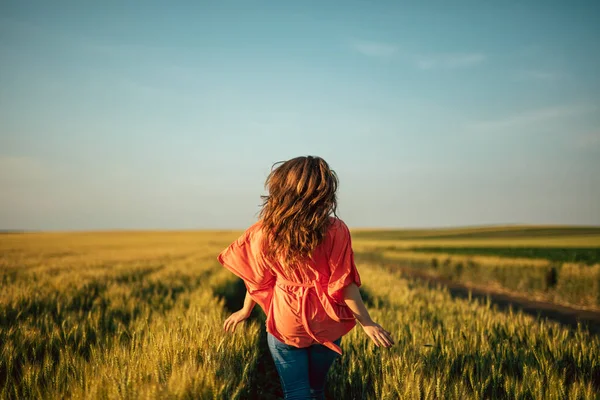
(143, 114)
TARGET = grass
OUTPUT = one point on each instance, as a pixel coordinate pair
(461, 349)
(116, 327)
(139, 315)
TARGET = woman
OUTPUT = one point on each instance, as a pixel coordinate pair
(297, 263)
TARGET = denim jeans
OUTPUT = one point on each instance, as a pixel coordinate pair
(302, 371)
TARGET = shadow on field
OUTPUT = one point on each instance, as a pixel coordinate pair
(232, 294)
(568, 316)
(372, 301)
(265, 381)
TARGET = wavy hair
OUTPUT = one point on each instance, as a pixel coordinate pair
(295, 213)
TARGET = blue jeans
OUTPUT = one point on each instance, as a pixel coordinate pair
(302, 371)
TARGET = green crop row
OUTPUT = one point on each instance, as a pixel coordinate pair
(584, 255)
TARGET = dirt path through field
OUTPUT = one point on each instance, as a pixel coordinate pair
(565, 315)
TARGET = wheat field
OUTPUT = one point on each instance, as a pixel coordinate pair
(131, 315)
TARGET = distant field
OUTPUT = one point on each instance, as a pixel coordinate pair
(498, 232)
(557, 244)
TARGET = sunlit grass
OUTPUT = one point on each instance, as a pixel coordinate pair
(139, 315)
(117, 327)
(461, 349)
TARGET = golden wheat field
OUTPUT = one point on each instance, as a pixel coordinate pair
(138, 315)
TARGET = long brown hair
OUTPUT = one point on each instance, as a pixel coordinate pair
(295, 213)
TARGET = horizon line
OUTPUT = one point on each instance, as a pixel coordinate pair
(356, 228)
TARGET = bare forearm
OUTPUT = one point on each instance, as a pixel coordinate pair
(354, 301)
(248, 303)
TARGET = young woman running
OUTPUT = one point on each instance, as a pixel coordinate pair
(297, 263)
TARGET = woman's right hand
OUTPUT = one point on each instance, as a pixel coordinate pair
(378, 335)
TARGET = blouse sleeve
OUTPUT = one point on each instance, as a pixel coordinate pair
(243, 258)
(341, 263)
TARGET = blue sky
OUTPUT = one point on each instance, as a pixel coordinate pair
(169, 115)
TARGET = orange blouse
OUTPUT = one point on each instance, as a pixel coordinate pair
(299, 312)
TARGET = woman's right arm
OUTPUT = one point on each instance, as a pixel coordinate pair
(354, 301)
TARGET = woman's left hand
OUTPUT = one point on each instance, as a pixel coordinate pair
(234, 319)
